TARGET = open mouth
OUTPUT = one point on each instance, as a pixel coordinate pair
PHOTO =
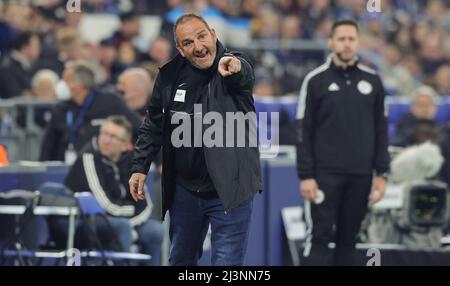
(202, 54)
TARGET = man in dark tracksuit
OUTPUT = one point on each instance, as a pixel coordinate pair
(203, 184)
(342, 141)
(103, 169)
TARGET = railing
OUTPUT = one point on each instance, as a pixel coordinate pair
(24, 140)
(18, 128)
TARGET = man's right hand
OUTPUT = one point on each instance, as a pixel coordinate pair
(309, 189)
(137, 182)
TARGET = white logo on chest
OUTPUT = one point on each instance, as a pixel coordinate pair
(180, 95)
(364, 87)
(333, 87)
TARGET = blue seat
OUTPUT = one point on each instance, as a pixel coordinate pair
(397, 108)
(89, 206)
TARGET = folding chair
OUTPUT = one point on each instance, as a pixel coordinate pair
(90, 208)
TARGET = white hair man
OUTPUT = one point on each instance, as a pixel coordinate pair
(136, 86)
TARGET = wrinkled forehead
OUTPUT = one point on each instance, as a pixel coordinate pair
(190, 28)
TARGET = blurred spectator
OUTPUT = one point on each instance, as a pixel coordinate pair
(437, 11)
(374, 25)
(136, 86)
(225, 6)
(101, 6)
(268, 24)
(442, 80)
(72, 20)
(70, 48)
(250, 8)
(289, 6)
(89, 52)
(403, 40)
(47, 21)
(7, 34)
(159, 52)
(152, 69)
(127, 54)
(413, 125)
(447, 50)
(396, 78)
(154, 7)
(43, 84)
(408, 43)
(43, 87)
(103, 169)
(18, 16)
(431, 52)
(412, 65)
(76, 121)
(315, 12)
(109, 60)
(291, 28)
(129, 29)
(15, 71)
(264, 88)
(323, 31)
(200, 7)
(265, 83)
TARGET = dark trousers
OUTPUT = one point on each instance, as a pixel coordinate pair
(337, 219)
(190, 217)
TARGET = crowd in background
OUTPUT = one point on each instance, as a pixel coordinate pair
(407, 42)
(43, 55)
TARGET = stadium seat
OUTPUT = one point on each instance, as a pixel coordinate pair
(90, 207)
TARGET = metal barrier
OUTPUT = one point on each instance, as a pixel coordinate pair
(19, 131)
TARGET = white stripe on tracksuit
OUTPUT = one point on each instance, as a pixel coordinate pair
(309, 229)
(145, 214)
(304, 89)
(99, 193)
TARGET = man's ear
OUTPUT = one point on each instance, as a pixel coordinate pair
(213, 33)
(330, 44)
(128, 147)
(180, 50)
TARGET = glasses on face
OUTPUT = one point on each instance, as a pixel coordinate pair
(114, 137)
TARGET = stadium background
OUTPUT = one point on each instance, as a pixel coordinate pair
(406, 42)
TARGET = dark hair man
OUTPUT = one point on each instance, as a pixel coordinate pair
(342, 141)
(15, 71)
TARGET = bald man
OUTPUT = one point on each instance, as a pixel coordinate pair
(137, 87)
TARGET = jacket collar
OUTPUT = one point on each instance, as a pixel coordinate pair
(340, 69)
(170, 70)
